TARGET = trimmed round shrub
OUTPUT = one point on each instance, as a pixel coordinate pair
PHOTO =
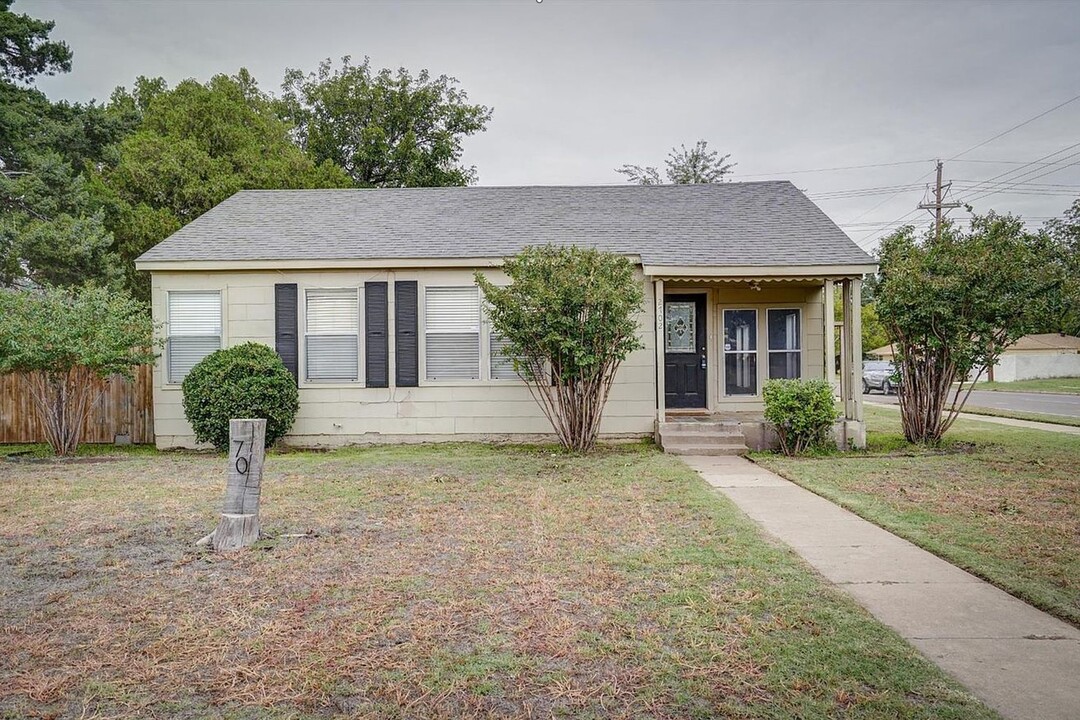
(245, 381)
(802, 411)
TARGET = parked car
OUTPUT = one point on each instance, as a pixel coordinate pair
(880, 375)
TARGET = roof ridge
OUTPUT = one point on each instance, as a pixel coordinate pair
(627, 186)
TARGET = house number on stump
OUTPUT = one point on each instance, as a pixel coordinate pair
(239, 526)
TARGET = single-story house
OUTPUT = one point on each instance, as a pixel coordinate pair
(369, 298)
(1043, 355)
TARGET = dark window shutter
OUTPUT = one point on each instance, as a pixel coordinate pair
(285, 326)
(406, 339)
(376, 335)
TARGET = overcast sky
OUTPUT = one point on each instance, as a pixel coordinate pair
(580, 87)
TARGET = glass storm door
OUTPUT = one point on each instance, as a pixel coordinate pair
(685, 373)
(740, 352)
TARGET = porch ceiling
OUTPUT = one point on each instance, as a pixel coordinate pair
(677, 281)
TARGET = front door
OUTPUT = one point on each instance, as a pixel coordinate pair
(685, 374)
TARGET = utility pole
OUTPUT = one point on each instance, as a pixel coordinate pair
(938, 206)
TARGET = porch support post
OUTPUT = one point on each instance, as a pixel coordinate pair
(854, 434)
(856, 349)
(658, 336)
(830, 333)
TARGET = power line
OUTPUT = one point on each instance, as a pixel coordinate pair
(1016, 127)
(836, 169)
(1015, 175)
(995, 162)
(1007, 186)
(866, 212)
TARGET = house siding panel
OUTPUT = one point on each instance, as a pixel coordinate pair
(337, 414)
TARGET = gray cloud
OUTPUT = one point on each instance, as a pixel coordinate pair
(581, 87)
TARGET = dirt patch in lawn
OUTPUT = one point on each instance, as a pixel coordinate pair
(460, 581)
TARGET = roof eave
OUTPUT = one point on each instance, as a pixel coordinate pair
(758, 272)
(322, 264)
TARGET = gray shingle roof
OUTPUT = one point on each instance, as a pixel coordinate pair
(756, 223)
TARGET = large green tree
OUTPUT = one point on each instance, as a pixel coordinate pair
(196, 144)
(952, 305)
(684, 166)
(25, 48)
(1062, 309)
(52, 231)
(386, 129)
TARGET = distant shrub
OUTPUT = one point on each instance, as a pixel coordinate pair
(245, 381)
(802, 411)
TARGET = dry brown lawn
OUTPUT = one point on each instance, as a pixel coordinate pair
(448, 581)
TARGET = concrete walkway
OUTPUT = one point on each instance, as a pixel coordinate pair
(1011, 422)
(1018, 660)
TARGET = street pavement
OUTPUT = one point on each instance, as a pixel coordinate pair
(1046, 403)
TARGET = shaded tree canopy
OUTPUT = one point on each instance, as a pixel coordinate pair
(25, 48)
(1062, 309)
(52, 233)
(385, 129)
(196, 145)
(685, 166)
(87, 188)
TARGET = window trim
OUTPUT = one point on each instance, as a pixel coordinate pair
(361, 356)
(769, 351)
(166, 378)
(483, 350)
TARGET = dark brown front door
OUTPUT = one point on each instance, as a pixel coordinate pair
(685, 373)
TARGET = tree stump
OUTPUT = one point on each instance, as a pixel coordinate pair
(239, 525)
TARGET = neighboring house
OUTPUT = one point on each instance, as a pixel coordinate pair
(369, 297)
(1046, 355)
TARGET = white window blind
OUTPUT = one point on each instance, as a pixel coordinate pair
(502, 367)
(332, 334)
(452, 333)
(193, 322)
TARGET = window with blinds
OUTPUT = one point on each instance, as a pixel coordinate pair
(332, 335)
(193, 327)
(452, 333)
(502, 366)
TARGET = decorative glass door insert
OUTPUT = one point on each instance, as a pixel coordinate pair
(680, 327)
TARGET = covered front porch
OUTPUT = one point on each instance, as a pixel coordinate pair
(721, 333)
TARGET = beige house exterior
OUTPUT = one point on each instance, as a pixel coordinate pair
(713, 332)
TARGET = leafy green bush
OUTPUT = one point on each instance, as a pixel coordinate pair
(802, 411)
(66, 341)
(569, 318)
(245, 381)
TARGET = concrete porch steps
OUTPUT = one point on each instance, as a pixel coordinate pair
(696, 436)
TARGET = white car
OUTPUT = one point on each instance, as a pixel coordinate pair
(879, 375)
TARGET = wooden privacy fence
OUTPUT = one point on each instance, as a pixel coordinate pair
(124, 410)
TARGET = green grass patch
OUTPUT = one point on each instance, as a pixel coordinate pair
(452, 580)
(1000, 502)
(43, 451)
(1021, 415)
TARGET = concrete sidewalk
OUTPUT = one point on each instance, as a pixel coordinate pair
(1018, 660)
